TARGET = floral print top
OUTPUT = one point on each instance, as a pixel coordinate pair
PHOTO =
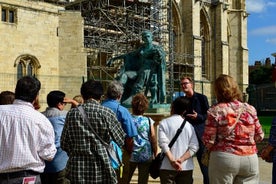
(222, 133)
(142, 151)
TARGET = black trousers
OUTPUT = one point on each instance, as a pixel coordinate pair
(20, 177)
(54, 178)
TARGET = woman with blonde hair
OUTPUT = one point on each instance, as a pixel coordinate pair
(231, 131)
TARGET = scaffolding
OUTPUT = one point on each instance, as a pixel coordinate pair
(114, 27)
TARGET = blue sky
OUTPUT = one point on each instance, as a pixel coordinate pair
(261, 29)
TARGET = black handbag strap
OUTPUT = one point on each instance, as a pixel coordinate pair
(150, 134)
(179, 130)
(84, 115)
(177, 133)
(149, 127)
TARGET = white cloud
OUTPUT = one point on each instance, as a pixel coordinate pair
(271, 41)
(255, 6)
(269, 30)
(271, 4)
(259, 6)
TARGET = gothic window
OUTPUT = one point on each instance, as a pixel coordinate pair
(26, 65)
(203, 50)
(30, 69)
(20, 70)
(4, 15)
(11, 16)
(205, 44)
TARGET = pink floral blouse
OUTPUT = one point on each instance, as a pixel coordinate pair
(222, 133)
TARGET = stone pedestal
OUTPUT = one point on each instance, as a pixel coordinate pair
(157, 112)
(159, 108)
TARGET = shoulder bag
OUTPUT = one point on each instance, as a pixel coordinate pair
(267, 153)
(154, 169)
(113, 150)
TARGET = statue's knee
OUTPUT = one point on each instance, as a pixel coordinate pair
(123, 79)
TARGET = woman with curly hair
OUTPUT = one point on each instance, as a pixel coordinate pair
(145, 145)
(231, 131)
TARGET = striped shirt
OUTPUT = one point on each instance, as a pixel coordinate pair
(26, 138)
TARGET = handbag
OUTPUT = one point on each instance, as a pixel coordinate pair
(205, 157)
(154, 169)
(267, 153)
(155, 165)
(113, 150)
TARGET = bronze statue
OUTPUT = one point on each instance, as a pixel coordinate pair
(143, 70)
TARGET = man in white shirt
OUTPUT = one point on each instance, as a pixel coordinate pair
(26, 136)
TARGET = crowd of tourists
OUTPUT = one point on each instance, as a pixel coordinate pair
(59, 146)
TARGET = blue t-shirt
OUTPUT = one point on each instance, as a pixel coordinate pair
(57, 119)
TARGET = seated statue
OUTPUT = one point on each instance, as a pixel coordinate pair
(128, 73)
(143, 71)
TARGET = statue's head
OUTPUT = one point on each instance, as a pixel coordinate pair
(147, 36)
(146, 32)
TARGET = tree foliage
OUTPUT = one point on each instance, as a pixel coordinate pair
(261, 75)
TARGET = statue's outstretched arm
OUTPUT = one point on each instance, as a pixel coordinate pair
(110, 61)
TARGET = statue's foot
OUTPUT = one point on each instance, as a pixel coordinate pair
(153, 101)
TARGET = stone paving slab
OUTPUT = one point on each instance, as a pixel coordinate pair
(265, 174)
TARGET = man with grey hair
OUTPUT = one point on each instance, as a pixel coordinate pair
(114, 94)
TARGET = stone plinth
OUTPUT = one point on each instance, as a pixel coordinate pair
(157, 112)
(159, 108)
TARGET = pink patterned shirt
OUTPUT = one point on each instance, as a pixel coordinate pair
(222, 133)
